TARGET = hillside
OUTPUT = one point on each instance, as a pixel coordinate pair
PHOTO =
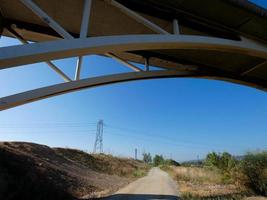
(33, 171)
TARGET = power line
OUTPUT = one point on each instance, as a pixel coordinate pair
(165, 138)
(46, 125)
(90, 131)
(49, 126)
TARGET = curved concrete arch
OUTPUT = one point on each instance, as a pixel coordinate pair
(237, 59)
(50, 91)
(43, 51)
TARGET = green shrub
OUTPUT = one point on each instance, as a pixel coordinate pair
(254, 169)
(158, 160)
(139, 173)
(147, 158)
(188, 195)
(250, 172)
(212, 160)
(224, 162)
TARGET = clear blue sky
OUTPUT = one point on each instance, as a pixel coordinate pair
(179, 118)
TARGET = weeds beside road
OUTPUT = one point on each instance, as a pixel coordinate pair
(201, 183)
(222, 176)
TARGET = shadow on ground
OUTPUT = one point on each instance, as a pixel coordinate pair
(139, 197)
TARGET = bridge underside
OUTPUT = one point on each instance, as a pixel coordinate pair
(219, 39)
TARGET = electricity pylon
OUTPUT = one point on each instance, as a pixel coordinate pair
(98, 147)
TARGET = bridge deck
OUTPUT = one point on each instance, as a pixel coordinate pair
(228, 38)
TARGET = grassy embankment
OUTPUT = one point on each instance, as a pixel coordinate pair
(222, 176)
(38, 172)
(104, 163)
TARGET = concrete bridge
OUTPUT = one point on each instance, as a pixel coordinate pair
(214, 39)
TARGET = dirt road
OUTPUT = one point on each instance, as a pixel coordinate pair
(156, 185)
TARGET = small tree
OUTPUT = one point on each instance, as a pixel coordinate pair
(254, 167)
(147, 158)
(212, 160)
(226, 161)
(158, 160)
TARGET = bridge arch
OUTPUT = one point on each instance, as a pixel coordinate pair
(179, 40)
(63, 88)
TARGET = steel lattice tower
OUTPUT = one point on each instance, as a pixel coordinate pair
(98, 147)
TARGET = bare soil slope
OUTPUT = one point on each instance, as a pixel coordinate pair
(33, 171)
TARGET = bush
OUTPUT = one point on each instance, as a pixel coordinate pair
(139, 173)
(224, 162)
(147, 158)
(158, 160)
(250, 172)
(254, 170)
(212, 160)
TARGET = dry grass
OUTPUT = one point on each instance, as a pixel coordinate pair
(33, 171)
(103, 163)
(199, 183)
(197, 175)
